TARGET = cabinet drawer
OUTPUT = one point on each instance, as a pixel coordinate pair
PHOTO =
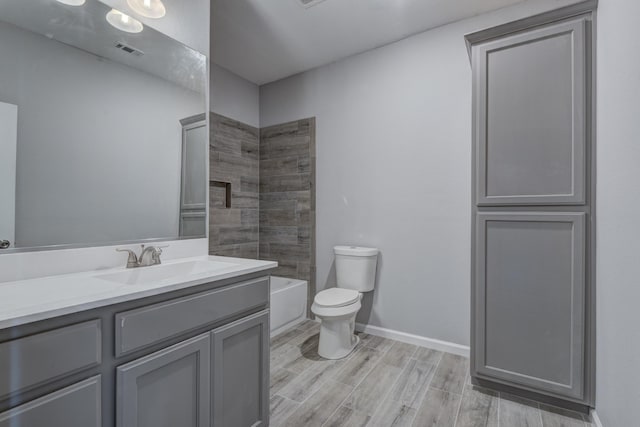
(78, 405)
(145, 326)
(34, 360)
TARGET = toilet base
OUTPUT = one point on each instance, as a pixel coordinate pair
(337, 338)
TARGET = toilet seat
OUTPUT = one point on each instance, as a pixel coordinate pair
(336, 297)
(336, 303)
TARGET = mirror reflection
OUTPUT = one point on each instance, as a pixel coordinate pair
(102, 131)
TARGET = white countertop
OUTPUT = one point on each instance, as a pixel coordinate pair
(27, 301)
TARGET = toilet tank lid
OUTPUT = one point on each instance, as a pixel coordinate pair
(355, 251)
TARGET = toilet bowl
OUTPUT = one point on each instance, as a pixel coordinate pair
(337, 314)
(337, 307)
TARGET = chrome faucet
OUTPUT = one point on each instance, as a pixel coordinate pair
(149, 256)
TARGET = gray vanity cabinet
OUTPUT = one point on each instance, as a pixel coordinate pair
(192, 357)
(219, 378)
(241, 373)
(532, 288)
(166, 389)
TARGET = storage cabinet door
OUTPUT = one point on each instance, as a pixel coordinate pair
(241, 373)
(78, 405)
(529, 300)
(168, 388)
(530, 115)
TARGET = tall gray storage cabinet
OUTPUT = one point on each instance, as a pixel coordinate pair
(533, 226)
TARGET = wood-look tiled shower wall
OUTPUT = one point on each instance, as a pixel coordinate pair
(287, 199)
(234, 158)
(272, 176)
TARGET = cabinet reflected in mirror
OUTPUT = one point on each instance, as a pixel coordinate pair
(8, 142)
(92, 129)
(193, 200)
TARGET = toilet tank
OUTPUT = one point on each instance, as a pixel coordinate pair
(356, 267)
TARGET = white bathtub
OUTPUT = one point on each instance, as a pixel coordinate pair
(288, 303)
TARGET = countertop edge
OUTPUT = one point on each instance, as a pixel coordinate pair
(106, 300)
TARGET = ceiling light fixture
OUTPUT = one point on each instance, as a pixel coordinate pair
(72, 2)
(124, 22)
(148, 8)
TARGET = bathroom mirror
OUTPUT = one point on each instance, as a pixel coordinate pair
(94, 122)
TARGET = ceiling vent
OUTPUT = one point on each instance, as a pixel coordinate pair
(310, 3)
(129, 49)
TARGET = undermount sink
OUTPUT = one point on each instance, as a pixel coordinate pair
(158, 273)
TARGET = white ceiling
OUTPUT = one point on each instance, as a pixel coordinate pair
(266, 40)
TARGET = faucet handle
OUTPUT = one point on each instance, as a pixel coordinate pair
(156, 254)
(132, 261)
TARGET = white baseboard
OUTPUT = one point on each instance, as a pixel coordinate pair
(434, 344)
(596, 419)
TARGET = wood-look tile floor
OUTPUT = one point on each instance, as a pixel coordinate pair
(386, 383)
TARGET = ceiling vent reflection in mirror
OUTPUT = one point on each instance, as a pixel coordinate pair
(129, 49)
(310, 3)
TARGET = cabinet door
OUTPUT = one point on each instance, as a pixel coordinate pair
(241, 373)
(74, 406)
(530, 117)
(529, 300)
(168, 388)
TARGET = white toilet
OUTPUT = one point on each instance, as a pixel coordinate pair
(337, 307)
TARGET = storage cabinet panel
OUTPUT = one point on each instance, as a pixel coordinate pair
(142, 327)
(530, 284)
(76, 406)
(168, 388)
(66, 350)
(531, 117)
(241, 373)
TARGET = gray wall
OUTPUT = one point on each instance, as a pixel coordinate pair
(234, 158)
(71, 188)
(234, 97)
(618, 214)
(401, 114)
(287, 199)
(393, 169)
